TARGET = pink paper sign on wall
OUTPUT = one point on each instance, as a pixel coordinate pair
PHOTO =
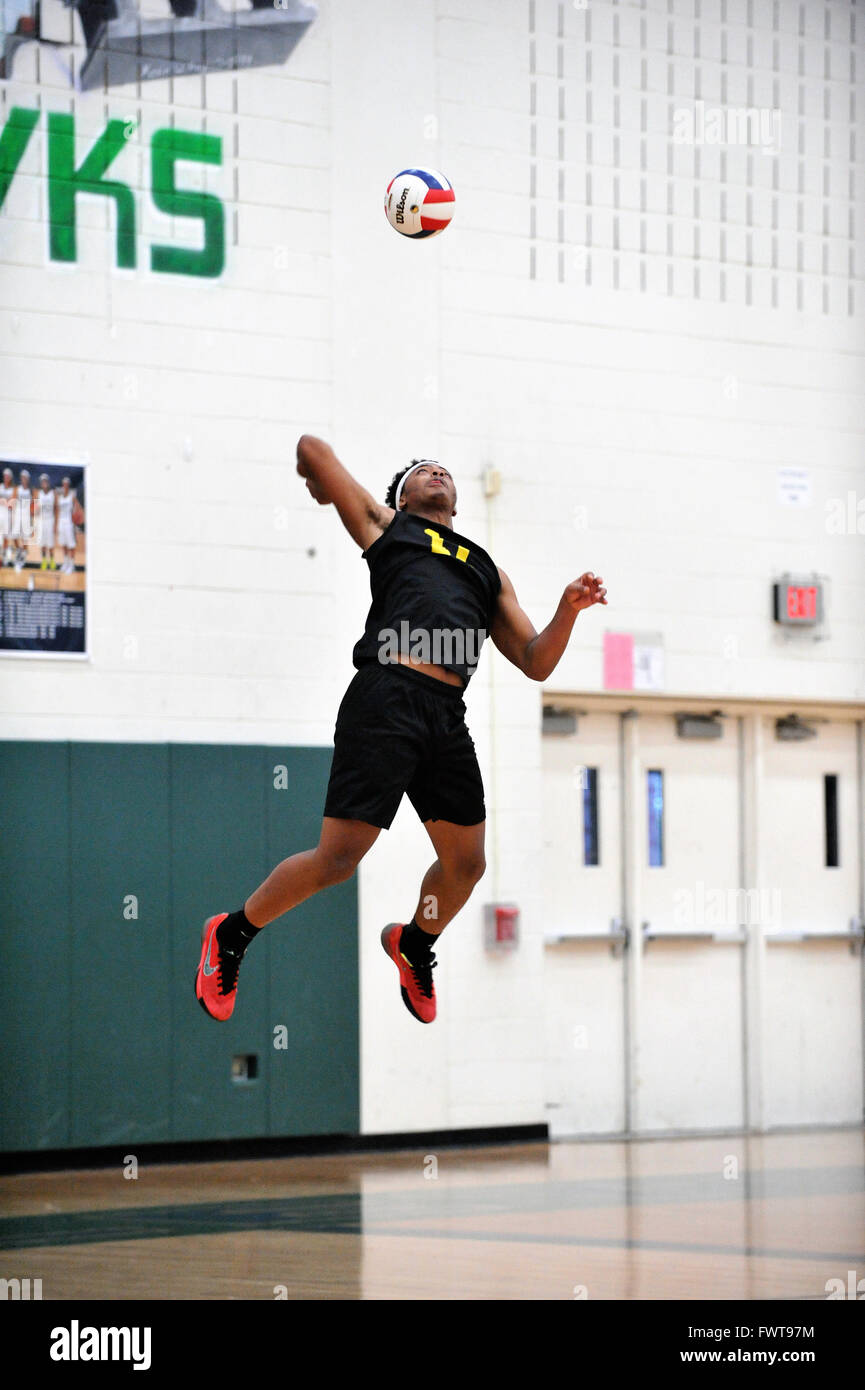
(618, 661)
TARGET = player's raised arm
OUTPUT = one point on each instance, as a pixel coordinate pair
(328, 481)
(538, 653)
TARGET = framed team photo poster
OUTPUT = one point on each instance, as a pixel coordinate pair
(43, 558)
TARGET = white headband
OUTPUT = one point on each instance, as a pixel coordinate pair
(421, 463)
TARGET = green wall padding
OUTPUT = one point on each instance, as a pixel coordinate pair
(35, 941)
(111, 857)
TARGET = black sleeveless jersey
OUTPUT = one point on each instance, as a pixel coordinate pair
(434, 595)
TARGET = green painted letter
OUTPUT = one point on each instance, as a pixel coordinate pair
(64, 181)
(13, 143)
(167, 147)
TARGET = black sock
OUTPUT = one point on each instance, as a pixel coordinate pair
(235, 933)
(416, 944)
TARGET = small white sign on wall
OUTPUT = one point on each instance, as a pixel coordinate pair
(648, 661)
(794, 486)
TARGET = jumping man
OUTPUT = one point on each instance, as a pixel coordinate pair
(436, 596)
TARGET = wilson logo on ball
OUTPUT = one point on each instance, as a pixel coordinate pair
(419, 202)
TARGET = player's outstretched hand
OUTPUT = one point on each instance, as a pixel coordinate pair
(585, 591)
(317, 491)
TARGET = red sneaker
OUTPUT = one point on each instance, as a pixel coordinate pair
(418, 992)
(216, 980)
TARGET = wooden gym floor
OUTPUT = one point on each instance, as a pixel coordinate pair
(769, 1217)
(10, 578)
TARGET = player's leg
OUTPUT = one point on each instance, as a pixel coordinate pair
(450, 879)
(374, 758)
(46, 545)
(15, 534)
(376, 751)
(342, 844)
(447, 793)
(447, 886)
(66, 542)
(46, 539)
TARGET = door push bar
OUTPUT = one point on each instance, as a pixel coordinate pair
(735, 937)
(855, 934)
(617, 937)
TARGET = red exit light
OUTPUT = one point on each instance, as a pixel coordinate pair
(798, 600)
(802, 602)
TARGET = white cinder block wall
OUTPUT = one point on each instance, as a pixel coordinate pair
(637, 333)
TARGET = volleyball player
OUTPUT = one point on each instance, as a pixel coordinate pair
(401, 723)
(7, 503)
(45, 516)
(22, 518)
(66, 499)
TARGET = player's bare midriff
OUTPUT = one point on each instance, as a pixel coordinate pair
(441, 673)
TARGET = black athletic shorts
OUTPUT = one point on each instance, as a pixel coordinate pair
(399, 731)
